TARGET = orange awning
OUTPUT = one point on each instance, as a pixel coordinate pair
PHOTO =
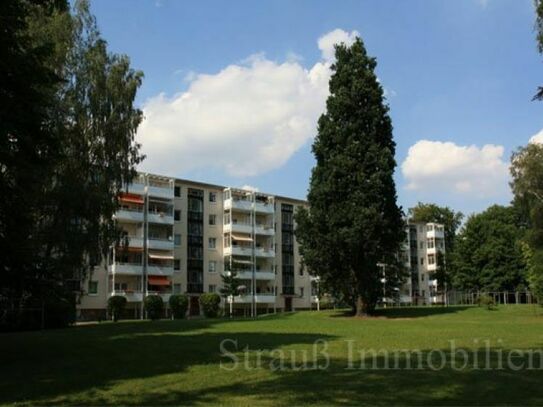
(129, 249)
(158, 280)
(241, 238)
(130, 198)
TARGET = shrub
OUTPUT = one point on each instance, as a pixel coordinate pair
(154, 306)
(115, 306)
(486, 301)
(179, 305)
(210, 304)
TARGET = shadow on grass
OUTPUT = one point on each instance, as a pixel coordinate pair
(338, 385)
(418, 312)
(38, 367)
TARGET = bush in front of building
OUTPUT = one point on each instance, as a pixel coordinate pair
(154, 306)
(487, 301)
(179, 304)
(210, 304)
(115, 306)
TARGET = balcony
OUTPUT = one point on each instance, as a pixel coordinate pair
(129, 215)
(133, 241)
(160, 218)
(153, 270)
(238, 251)
(314, 299)
(165, 191)
(262, 252)
(134, 269)
(436, 234)
(259, 275)
(265, 230)
(136, 188)
(431, 267)
(160, 244)
(238, 204)
(260, 299)
(239, 227)
(261, 207)
(131, 296)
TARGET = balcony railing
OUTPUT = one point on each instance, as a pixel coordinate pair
(160, 243)
(129, 215)
(126, 268)
(131, 296)
(260, 298)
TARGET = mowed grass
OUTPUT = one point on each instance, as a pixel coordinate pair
(179, 362)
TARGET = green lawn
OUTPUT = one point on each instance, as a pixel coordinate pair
(178, 362)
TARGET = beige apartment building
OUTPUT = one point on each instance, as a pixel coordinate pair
(424, 242)
(180, 236)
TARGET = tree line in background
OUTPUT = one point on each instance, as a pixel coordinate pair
(67, 127)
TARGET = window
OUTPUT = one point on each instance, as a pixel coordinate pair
(177, 215)
(422, 261)
(212, 220)
(177, 239)
(212, 268)
(93, 287)
(177, 288)
(177, 191)
(177, 264)
(431, 259)
(212, 242)
(301, 291)
(212, 197)
(121, 286)
(212, 288)
(421, 245)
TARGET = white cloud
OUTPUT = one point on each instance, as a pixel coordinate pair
(537, 138)
(247, 119)
(337, 36)
(434, 166)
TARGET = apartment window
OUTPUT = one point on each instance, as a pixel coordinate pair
(212, 267)
(121, 286)
(177, 215)
(431, 259)
(212, 288)
(93, 287)
(177, 288)
(212, 197)
(177, 239)
(177, 264)
(212, 242)
(422, 261)
(212, 220)
(177, 191)
(301, 291)
(421, 245)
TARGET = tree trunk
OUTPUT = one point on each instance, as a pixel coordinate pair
(361, 307)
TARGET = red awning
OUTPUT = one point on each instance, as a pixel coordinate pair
(158, 280)
(131, 198)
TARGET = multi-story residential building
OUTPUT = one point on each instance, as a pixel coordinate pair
(180, 236)
(424, 242)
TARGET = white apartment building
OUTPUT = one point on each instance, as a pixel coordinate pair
(424, 242)
(180, 236)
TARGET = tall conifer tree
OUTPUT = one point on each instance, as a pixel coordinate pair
(353, 230)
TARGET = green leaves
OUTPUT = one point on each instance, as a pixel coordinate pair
(353, 222)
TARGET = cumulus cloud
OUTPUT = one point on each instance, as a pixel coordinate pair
(246, 119)
(249, 188)
(329, 40)
(433, 166)
(537, 138)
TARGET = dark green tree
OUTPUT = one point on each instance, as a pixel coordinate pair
(527, 185)
(489, 253)
(353, 226)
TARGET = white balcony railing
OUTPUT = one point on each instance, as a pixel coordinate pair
(436, 234)
(239, 227)
(160, 192)
(160, 244)
(263, 207)
(238, 251)
(133, 241)
(259, 275)
(239, 204)
(134, 269)
(262, 252)
(260, 299)
(160, 218)
(136, 188)
(129, 215)
(159, 270)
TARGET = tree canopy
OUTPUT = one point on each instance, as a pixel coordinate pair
(354, 227)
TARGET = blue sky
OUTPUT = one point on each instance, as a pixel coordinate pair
(232, 90)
